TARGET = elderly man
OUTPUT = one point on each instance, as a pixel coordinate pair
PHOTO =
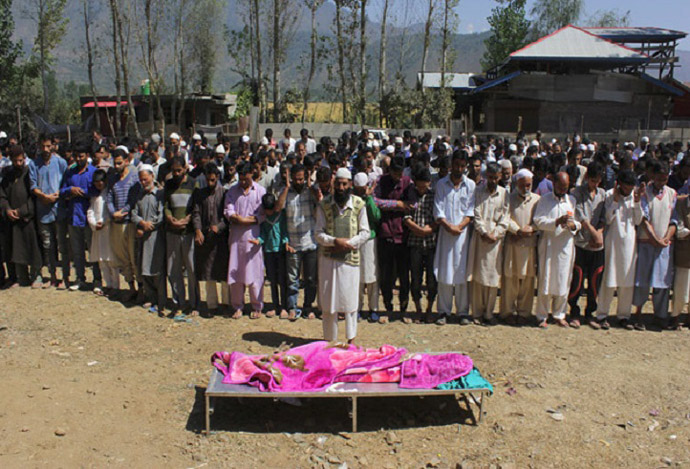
(623, 213)
(341, 228)
(506, 175)
(453, 211)
(520, 256)
(554, 217)
(491, 215)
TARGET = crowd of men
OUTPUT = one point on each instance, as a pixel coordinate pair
(452, 223)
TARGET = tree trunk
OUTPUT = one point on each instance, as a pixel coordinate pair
(312, 63)
(89, 67)
(276, 60)
(114, 14)
(259, 71)
(341, 56)
(42, 54)
(124, 59)
(363, 62)
(444, 43)
(382, 61)
(425, 52)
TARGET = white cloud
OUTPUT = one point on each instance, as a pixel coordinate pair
(470, 28)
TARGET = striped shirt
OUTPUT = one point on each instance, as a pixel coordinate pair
(300, 211)
(178, 202)
(119, 197)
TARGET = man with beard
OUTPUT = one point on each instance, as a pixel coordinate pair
(520, 255)
(491, 217)
(453, 211)
(654, 250)
(211, 237)
(18, 211)
(77, 188)
(179, 239)
(122, 232)
(148, 218)
(623, 213)
(300, 204)
(392, 247)
(246, 267)
(46, 172)
(341, 228)
(554, 217)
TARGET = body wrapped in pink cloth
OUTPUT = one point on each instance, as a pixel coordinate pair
(317, 365)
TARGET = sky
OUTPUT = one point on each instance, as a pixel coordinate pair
(669, 14)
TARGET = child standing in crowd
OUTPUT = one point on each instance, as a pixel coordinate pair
(99, 222)
(273, 238)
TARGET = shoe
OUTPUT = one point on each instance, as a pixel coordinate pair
(604, 324)
(639, 325)
(443, 320)
(373, 317)
(76, 286)
(675, 324)
(492, 321)
(464, 321)
(624, 323)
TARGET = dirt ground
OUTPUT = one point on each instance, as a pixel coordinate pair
(87, 382)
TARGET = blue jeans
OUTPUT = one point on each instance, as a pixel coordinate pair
(305, 261)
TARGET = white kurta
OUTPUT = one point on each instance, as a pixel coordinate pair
(620, 247)
(367, 261)
(453, 204)
(520, 254)
(339, 281)
(491, 216)
(556, 246)
(100, 239)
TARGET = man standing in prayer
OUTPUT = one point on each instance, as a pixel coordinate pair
(211, 237)
(122, 232)
(453, 210)
(368, 282)
(392, 249)
(342, 228)
(491, 216)
(654, 250)
(179, 238)
(623, 214)
(46, 172)
(554, 217)
(589, 246)
(148, 218)
(246, 267)
(520, 256)
(77, 187)
(681, 259)
(300, 204)
(18, 209)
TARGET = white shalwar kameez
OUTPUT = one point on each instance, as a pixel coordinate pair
(556, 254)
(339, 281)
(620, 254)
(452, 252)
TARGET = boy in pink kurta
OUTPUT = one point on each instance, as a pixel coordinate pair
(246, 267)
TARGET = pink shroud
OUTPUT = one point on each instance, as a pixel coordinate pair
(317, 365)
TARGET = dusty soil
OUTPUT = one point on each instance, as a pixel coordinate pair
(87, 382)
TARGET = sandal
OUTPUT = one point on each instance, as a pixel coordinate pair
(312, 315)
(283, 314)
(271, 314)
(255, 315)
(181, 317)
(237, 314)
(543, 324)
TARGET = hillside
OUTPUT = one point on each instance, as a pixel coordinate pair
(70, 63)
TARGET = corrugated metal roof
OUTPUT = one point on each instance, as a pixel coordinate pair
(571, 43)
(495, 82)
(453, 80)
(637, 34)
(666, 86)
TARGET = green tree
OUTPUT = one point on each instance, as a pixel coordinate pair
(550, 15)
(509, 29)
(51, 25)
(609, 19)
